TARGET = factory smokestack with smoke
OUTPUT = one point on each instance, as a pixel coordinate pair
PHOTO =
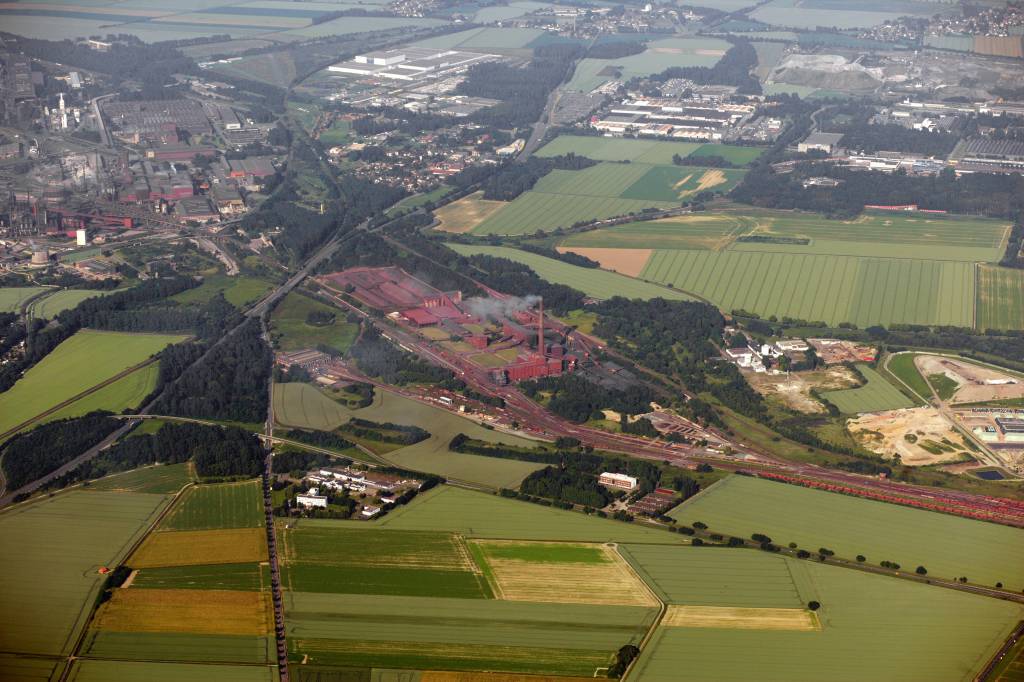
(495, 309)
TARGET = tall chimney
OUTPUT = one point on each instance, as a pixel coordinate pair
(540, 330)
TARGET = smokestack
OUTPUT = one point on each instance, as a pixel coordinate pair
(540, 329)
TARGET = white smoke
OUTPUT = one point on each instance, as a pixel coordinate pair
(495, 308)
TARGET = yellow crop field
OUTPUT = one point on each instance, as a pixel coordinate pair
(193, 548)
(211, 612)
(608, 578)
(450, 676)
(735, 618)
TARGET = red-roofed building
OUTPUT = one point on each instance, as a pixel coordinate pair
(420, 317)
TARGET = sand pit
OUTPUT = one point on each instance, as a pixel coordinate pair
(734, 618)
(629, 262)
(465, 214)
(921, 436)
(795, 390)
(975, 381)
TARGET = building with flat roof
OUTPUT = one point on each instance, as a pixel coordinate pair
(822, 142)
(410, 63)
(618, 480)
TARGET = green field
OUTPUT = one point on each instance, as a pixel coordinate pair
(948, 546)
(482, 515)
(160, 478)
(290, 331)
(459, 634)
(676, 183)
(220, 505)
(649, 151)
(532, 211)
(55, 547)
(711, 231)
(659, 55)
(79, 363)
(177, 646)
(833, 289)
(50, 306)
(901, 365)
(126, 393)
(618, 148)
(239, 290)
(404, 563)
(11, 298)
(1000, 298)
(873, 627)
(433, 456)
(591, 281)
(103, 671)
(875, 396)
(213, 577)
(684, 575)
(304, 406)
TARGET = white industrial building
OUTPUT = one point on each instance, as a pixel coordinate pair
(410, 63)
(618, 480)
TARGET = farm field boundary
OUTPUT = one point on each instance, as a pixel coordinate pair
(733, 618)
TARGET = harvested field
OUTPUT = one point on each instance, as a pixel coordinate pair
(921, 436)
(629, 262)
(972, 379)
(465, 214)
(608, 579)
(191, 548)
(222, 505)
(733, 618)
(213, 612)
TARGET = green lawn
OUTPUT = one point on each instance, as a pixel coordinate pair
(63, 540)
(874, 396)
(545, 553)
(79, 363)
(290, 330)
(591, 281)
(873, 627)
(220, 505)
(948, 546)
(11, 298)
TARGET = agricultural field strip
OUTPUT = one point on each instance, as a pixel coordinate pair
(103, 671)
(735, 618)
(177, 646)
(222, 505)
(198, 547)
(948, 546)
(537, 210)
(214, 612)
(522, 572)
(464, 621)
(303, 406)
(398, 549)
(1000, 298)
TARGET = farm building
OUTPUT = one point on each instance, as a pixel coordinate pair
(618, 480)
